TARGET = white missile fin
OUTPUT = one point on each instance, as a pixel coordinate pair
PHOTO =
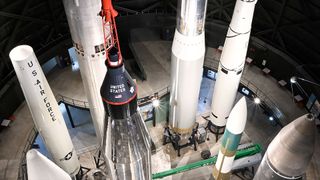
(238, 117)
(40, 167)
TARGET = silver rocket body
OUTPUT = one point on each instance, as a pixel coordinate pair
(127, 149)
(126, 143)
(87, 34)
(44, 109)
(187, 57)
(290, 152)
(232, 62)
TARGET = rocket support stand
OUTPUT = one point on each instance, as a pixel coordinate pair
(98, 159)
(174, 139)
(216, 130)
(82, 172)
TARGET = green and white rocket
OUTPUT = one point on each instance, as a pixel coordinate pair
(230, 140)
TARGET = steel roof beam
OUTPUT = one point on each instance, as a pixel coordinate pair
(24, 18)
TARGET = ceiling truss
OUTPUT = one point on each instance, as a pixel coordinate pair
(273, 22)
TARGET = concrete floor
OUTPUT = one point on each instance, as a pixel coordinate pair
(67, 82)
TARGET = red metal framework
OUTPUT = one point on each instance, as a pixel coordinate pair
(111, 40)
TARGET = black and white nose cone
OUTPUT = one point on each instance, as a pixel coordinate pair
(118, 88)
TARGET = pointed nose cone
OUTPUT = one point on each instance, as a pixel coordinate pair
(291, 150)
(238, 117)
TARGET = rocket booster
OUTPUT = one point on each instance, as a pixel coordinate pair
(187, 57)
(126, 143)
(230, 141)
(232, 62)
(290, 152)
(87, 34)
(40, 167)
(44, 109)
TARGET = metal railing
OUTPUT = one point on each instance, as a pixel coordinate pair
(267, 100)
(155, 8)
(71, 101)
(22, 174)
(157, 94)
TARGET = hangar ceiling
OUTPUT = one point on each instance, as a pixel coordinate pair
(292, 26)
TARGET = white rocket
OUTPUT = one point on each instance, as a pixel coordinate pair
(187, 57)
(232, 62)
(44, 109)
(87, 34)
(40, 167)
(230, 140)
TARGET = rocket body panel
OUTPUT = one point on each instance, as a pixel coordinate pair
(237, 39)
(269, 173)
(230, 141)
(40, 167)
(298, 146)
(290, 152)
(126, 143)
(242, 16)
(71, 14)
(234, 51)
(224, 94)
(191, 17)
(186, 74)
(44, 109)
(232, 62)
(127, 149)
(89, 24)
(91, 80)
(88, 39)
(188, 50)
